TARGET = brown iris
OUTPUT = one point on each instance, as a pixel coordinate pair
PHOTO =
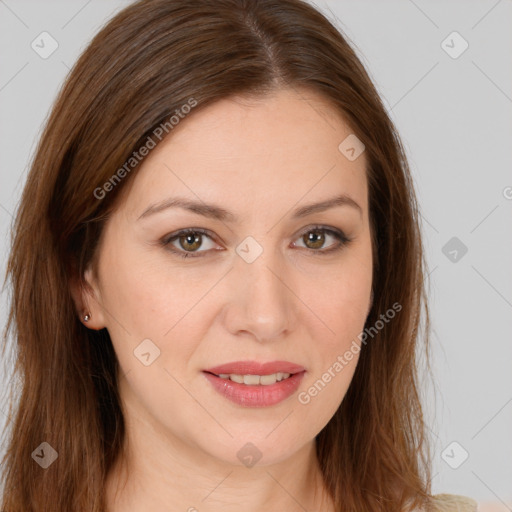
(192, 239)
(313, 237)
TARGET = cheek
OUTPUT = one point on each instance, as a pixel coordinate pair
(342, 305)
(145, 301)
(140, 291)
(336, 355)
(341, 299)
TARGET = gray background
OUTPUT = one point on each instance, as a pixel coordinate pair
(455, 119)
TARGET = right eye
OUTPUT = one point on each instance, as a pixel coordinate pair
(189, 240)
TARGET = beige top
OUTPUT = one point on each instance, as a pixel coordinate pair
(454, 503)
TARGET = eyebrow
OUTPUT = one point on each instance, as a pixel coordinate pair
(218, 213)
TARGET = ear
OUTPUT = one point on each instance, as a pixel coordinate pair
(87, 299)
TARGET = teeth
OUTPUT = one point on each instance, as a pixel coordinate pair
(251, 380)
(255, 380)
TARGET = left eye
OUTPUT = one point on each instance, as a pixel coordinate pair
(317, 236)
(190, 241)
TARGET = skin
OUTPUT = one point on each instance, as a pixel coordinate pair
(261, 159)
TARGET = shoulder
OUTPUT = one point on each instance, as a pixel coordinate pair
(455, 503)
(452, 503)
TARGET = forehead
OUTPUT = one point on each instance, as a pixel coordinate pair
(260, 152)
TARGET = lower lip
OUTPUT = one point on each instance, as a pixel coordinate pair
(255, 396)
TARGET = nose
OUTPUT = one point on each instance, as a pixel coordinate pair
(262, 302)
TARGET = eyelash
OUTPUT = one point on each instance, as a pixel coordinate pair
(343, 240)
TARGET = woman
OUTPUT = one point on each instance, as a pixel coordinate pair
(217, 277)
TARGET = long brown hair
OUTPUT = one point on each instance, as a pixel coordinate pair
(147, 62)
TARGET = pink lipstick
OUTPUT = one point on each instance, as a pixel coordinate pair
(253, 384)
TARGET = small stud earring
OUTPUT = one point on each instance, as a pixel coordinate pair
(87, 317)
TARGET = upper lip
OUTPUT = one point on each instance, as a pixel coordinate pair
(255, 368)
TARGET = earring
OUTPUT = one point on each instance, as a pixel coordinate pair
(87, 317)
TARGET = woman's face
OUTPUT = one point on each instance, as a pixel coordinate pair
(262, 282)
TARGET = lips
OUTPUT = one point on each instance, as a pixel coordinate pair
(264, 394)
(255, 396)
(255, 368)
